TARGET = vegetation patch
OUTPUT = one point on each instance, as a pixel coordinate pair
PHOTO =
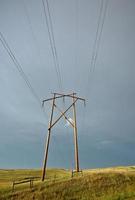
(100, 184)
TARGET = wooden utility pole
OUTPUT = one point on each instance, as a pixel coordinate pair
(48, 140)
(75, 137)
(51, 125)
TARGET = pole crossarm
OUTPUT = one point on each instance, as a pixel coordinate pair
(63, 113)
(62, 96)
(75, 97)
(57, 97)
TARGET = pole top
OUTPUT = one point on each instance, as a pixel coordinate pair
(62, 95)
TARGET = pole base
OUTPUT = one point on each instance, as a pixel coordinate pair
(76, 173)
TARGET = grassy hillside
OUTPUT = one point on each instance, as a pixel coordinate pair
(100, 184)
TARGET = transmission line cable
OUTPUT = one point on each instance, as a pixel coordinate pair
(53, 39)
(97, 32)
(101, 21)
(19, 68)
(48, 20)
(100, 25)
(30, 25)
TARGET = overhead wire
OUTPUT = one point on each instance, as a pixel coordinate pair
(100, 25)
(55, 50)
(19, 68)
(94, 49)
(49, 24)
(99, 30)
(101, 21)
(32, 32)
(30, 26)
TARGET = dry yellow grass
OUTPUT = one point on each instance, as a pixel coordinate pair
(95, 184)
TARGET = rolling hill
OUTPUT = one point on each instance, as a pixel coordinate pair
(116, 183)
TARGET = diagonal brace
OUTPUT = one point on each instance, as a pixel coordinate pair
(63, 113)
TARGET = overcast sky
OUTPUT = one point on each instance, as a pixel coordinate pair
(106, 127)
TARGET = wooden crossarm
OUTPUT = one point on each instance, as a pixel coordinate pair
(64, 95)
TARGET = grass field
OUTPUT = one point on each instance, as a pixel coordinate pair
(116, 183)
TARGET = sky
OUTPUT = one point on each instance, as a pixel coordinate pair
(106, 126)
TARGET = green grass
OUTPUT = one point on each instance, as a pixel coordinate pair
(116, 183)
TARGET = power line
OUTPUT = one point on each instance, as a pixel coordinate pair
(100, 25)
(97, 32)
(35, 42)
(19, 67)
(55, 50)
(101, 21)
(30, 25)
(101, 30)
(93, 55)
(48, 20)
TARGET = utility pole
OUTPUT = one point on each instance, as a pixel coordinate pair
(75, 137)
(48, 140)
(57, 96)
